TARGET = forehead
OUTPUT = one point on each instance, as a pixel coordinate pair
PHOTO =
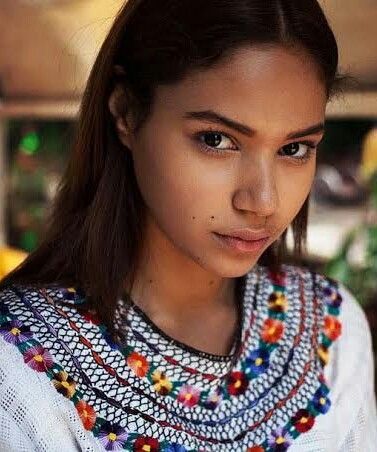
(260, 86)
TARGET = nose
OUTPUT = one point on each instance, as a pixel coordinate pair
(258, 193)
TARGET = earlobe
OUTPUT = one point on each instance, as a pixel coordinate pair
(123, 130)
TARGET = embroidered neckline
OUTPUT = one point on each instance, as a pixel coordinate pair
(110, 434)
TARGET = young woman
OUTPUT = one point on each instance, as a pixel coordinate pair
(160, 312)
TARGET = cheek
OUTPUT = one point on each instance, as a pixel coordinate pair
(294, 188)
(176, 186)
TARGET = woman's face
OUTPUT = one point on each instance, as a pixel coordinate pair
(199, 175)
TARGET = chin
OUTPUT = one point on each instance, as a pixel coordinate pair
(234, 269)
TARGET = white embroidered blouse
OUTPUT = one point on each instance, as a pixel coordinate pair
(300, 377)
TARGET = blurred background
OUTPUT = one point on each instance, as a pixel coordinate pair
(46, 51)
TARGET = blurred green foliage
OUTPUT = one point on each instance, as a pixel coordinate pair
(361, 280)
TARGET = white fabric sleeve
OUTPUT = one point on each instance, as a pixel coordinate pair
(12, 438)
(351, 423)
(33, 415)
(352, 375)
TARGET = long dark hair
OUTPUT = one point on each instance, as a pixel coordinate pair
(95, 229)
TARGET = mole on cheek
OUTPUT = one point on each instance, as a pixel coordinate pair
(193, 218)
(212, 218)
(150, 280)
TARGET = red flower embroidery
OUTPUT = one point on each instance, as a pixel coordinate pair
(277, 278)
(188, 396)
(256, 449)
(87, 414)
(333, 328)
(322, 378)
(303, 421)
(145, 444)
(237, 383)
(272, 330)
(38, 358)
(138, 364)
(91, 316)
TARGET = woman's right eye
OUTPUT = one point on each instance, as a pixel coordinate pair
(209, 141)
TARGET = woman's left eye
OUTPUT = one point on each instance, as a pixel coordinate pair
(299, 150)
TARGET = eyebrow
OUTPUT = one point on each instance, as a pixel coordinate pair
(212, 116)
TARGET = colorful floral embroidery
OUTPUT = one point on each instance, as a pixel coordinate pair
(280, 440)
(111, 436)
(323, 354)
(108, 338)
(38, 358)
(64, 384)
(332, 297)
(143, 444)
(320, 401)
(188, 396)
(175, 448)
(87, 414)
(90, 316)
(257, 363)
(213, 400)
(272, 331)
(161, 383)
(333, 328)
(278, 302)
(114, 437)
(254, 365)
(15, 332)
(304, 420)
(237, 383)
(138, 364)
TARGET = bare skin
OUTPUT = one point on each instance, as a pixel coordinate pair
(185, 281)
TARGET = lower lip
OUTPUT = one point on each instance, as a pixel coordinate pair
(244, 246)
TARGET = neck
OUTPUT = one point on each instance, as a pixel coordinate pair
(167, 280)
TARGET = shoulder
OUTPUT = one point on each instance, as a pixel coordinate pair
(353, 355)
(356, 328)
(49, 293)
(33, 321)
(344, 323)
(334, 294)
(28, 318)
(25, 393)
(346, 347)
(33, 344)
(34, 303)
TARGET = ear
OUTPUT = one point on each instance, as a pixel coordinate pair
(117, 106)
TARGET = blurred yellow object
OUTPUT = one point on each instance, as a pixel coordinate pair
(10, 258)
(369, 154)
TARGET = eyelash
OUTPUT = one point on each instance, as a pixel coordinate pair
(211, 150)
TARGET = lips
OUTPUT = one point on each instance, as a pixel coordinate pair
(246, 234)
(240, 245)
